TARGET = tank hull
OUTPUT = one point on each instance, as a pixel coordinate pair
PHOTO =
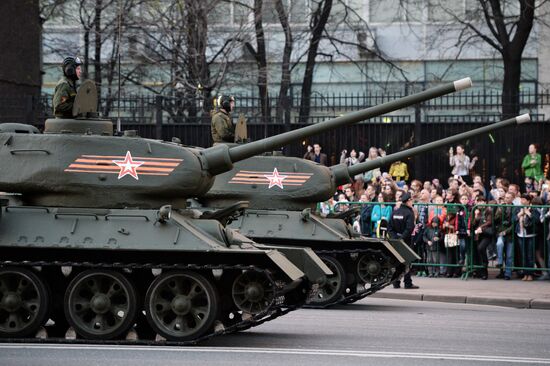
(61, 246)
(332, 238)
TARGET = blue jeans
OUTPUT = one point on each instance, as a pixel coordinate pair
(508, 243)
(527, 246)
(462, 246)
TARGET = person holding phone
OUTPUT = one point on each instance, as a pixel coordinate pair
(461, 163)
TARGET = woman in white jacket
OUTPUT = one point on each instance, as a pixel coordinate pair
(461, 163)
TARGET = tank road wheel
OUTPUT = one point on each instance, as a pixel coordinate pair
(374, 268)
(24, 302)
(334, 286)
(253, 292)
(181, 306)
(100, 304)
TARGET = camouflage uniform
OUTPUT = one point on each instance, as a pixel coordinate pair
(63, 98)
(222, 128)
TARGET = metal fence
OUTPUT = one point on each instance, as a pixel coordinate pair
(467, 106)
(499, 245)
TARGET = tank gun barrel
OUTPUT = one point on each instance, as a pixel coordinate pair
(220, 158)
(343, 173)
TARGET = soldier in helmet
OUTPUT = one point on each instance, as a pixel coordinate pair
(222, 128)
(65, 90)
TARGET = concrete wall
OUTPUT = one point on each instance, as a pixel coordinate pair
(20, 62)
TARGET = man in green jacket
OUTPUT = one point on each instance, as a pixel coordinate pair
(532, 164)
(65, 90)
(223, 129)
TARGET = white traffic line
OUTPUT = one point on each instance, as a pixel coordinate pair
(289, 351)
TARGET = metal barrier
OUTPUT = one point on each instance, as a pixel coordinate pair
(514, 251)
(468, 252)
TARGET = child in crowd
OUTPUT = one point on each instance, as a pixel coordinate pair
(433, 239)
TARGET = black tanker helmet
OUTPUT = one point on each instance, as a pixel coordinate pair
(69, 67)
(224, 101)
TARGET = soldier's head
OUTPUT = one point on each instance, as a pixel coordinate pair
(226, 102)
(71, 67)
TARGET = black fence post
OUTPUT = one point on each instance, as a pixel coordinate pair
(28, 108)
(158, 107)
(288, 109)
(418, 160)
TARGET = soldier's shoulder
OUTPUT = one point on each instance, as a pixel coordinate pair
(62, 82)
(219, 115)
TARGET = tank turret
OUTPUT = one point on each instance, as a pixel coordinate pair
(77, 162)
(270, 182)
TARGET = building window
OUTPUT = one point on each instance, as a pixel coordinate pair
(242, 12)
(445, 10)
(386, 11)
(299, 11)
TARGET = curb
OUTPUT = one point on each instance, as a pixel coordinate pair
(499, 301)
(540, 304)
(522, 303)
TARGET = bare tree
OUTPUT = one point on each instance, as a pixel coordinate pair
(175, 37)
(261, 60)
(50, 8)
(283, 102)
(504, 25)
(317, 24)
(259, 54)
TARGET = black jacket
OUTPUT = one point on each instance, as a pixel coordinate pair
(402, 223)
(365, 222)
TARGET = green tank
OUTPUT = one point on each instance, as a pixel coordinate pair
(95, 234)
(282, 194)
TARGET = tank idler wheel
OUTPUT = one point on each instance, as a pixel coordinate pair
(100, 304)
(181, 305)
(334, 286)
(374, 268)
(253, 292)
(24, 302)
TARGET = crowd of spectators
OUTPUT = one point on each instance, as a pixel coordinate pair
(459, 222)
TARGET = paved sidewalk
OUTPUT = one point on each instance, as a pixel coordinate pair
(513, 293)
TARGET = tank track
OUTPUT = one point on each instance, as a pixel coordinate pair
(279, 309)
(353, 297)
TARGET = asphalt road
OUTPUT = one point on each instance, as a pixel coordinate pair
(373, 331)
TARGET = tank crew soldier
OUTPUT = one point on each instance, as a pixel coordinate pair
(401, 227)
(222, 128)
(65, 90)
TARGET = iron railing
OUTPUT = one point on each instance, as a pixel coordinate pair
(464, 107)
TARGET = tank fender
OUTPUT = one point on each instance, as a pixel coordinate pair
(286, 264)
(305, 258)
(406, 252)
(394, 252)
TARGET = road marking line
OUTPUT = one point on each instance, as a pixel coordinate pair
(291, 351)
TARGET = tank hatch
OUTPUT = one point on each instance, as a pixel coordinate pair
(17, 128)
(86, 120)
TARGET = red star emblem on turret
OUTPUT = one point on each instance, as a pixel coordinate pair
(275, 179)
(128, 166)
